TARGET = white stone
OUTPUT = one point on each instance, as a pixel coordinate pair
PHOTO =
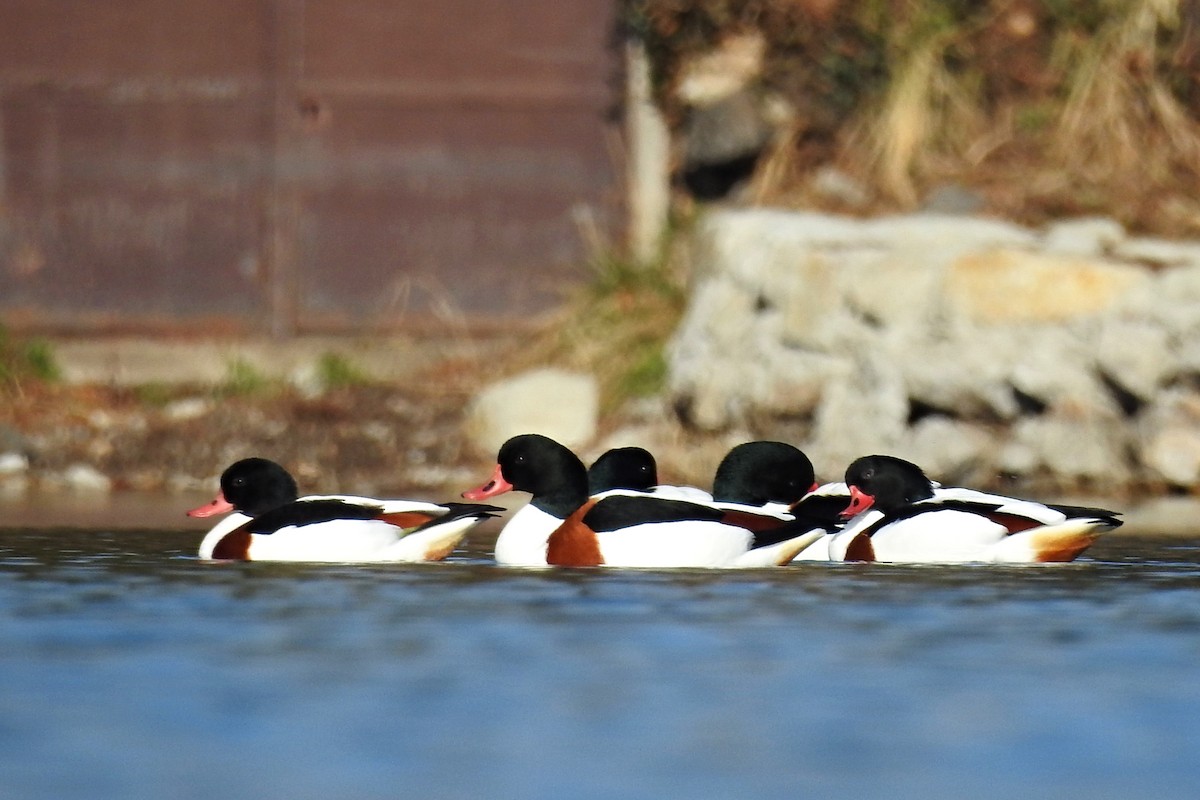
(1090, 449)
(1055, 365)
(862, 412)
(1172, 452)
(556, 403)
(949, 450)
(13, 464)
(1135, 355)
(1169, 437)
(306, 379)
(187, 408)
(1159, 252)
(1085, 236)
(946, 233)
(737, 241)
(791, 383)
(899, 289)
(1171, 298)
(969, 374)
(84, 477)
(834, 328)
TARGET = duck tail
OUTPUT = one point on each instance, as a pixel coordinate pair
(1055, 543)
(776, 554)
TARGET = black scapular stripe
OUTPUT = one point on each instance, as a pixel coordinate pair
(821, 511)
(620, 511)
(1102, 514)
(309, 512)
(789, 530)
(459, 510)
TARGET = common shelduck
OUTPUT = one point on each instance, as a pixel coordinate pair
(621, 529)
(634, 469)
(897, 514)
(778, 479)
(267, 522)
(621, 470)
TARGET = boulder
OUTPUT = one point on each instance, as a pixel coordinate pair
(556, 403)
(1005, 286)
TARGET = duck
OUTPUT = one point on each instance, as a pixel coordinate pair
(635, 470)
(897, 514)
(777, 480)
(619, 471)
(266, 520)
(621, 530)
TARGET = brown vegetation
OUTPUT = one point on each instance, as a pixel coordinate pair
(1043, 108)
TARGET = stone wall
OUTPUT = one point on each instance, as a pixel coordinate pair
(975, 347)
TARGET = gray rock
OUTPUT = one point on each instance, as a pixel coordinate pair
(728, 129)
(953, 199)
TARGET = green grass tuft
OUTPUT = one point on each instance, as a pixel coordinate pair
(31, 360)
(336, 371)
(243, 379)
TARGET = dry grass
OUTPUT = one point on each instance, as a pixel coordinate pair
(926, 110)
(1045, 109)
(1119, 115)
(615, 328)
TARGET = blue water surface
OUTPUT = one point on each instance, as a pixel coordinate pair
(128, 669)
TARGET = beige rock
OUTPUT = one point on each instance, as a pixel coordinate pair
(1013, 286)
(556, 403)
(729, 68)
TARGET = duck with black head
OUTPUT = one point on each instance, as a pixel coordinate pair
(267, 521)
(897, 514)
(619, 529)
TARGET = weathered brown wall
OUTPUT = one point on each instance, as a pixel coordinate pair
(299, 164)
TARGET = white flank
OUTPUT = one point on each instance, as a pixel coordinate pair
(227, 524)
(522, 541)
(817, 551)
(688, 543)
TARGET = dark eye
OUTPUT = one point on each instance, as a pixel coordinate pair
(239, 481)
(868, 474)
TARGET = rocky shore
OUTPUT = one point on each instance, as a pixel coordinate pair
(1057, 363)
(1063, 358)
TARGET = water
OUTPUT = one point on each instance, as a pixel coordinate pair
(128, 669)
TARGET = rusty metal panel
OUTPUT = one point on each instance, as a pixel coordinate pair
(152, 42)
(132, 136)
(452, 162)
(283, 164)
